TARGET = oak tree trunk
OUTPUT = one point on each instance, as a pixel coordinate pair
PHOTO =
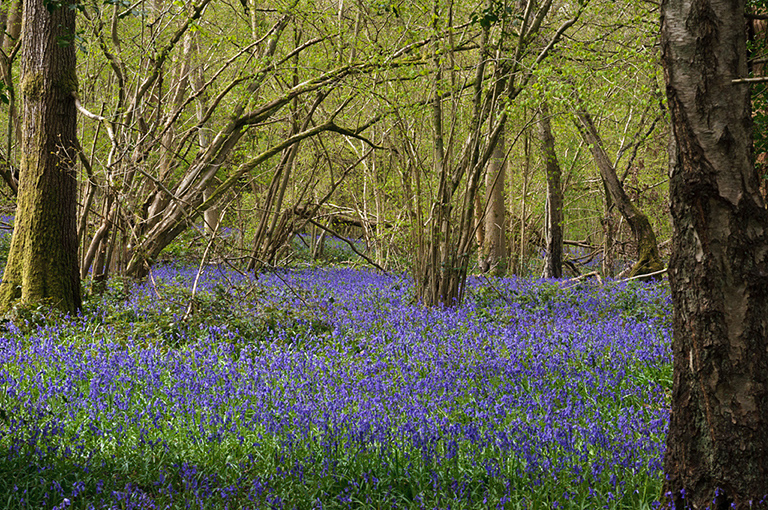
(717, 444)
(42, 263)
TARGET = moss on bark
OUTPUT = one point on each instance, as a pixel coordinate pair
(648, 258)
(42, 267)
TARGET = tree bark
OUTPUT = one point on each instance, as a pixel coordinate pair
(480, 231)
(495, 243)
(717, 444)
(553, 263)
(42, 263)
(648, 258)
(9, 38)
(609, 230)
(526, 170)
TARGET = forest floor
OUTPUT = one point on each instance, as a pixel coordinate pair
(333, 388)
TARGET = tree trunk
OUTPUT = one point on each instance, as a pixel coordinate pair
(11, 30)
(445, 244)
(212, 216)
(717, 444)
(42, 263)
(495, 243)
(648, 258)
(523, 264)
(553, 263)
(609, 230)
(441, 265)
(480, 232)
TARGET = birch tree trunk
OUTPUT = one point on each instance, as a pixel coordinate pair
(717, 444)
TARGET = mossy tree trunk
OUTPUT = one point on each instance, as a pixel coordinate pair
(42, 262)
(609, 230)
(553, 264)
(648, 258)
(717, 444)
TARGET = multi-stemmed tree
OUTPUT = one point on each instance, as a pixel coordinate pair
(445, 239)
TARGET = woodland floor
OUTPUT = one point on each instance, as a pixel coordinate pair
(333, 388)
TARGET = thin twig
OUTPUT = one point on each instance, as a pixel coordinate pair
(154, 284)
(211, 241)
(757, 79)
(497, 291)
(351, 245)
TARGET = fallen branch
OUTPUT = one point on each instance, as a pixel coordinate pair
(577, 279)
(351, 245)
(646, 275)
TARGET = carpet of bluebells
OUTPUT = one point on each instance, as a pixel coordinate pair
(333, 388)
